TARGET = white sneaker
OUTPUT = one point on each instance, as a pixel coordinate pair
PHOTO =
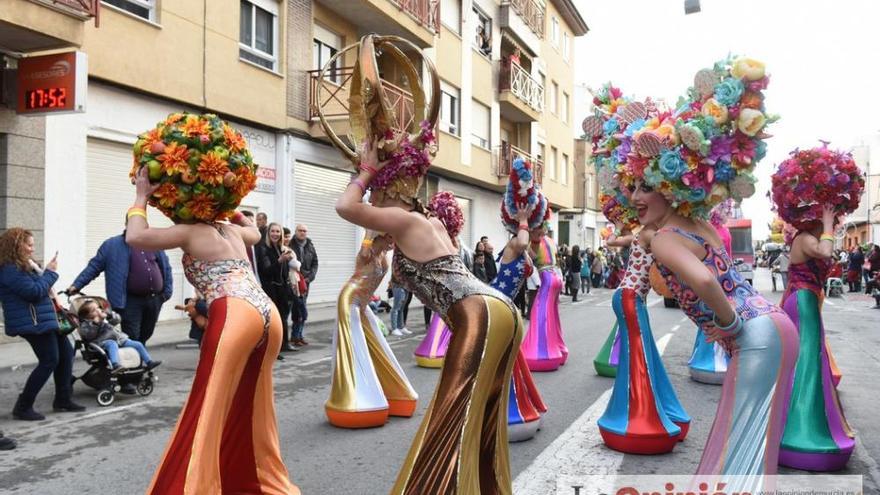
(398, 333)
(406, 331)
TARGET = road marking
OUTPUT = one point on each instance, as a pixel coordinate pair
(683, 319)
(578, 450)
(315, 361)
(675, 328)
(103, 412)
(655, 302)
(829, 302)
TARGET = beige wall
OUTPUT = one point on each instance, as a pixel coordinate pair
(448, 59)
(66, 29)
(167, 59)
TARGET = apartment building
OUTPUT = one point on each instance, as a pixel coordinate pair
(255, 63)
(863, 225)
(580, 225)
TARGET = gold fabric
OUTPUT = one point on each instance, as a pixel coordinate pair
(461, 446)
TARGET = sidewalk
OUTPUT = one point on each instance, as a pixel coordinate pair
(18, 353)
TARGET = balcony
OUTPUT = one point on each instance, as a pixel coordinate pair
(37, 25)
(334, 100)
(415, 20)
(509, 153)
(524, 19)
(521, 96)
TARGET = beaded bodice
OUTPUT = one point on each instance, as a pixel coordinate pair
(511, 276)
(227, 278)
(441, 282)
(748, 302)
(638, 270)
(810, 275)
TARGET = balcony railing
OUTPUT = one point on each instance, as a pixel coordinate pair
(509, 153)
(532, 13)
(80, 8)
(425, 12)
(334, 97)
(516, 80)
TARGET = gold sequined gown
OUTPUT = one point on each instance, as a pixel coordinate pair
(461, 446)
(368, 383)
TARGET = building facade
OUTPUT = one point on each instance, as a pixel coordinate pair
(863, 225)
(255, 63)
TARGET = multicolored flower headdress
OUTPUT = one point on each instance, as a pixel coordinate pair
(810, 179)
(402, 176)
(203, 166)
(445, 207)
(523, 192)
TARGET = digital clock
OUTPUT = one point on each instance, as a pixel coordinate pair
(45, 98)
(53, 83)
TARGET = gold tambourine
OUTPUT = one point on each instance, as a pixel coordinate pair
(371, 113)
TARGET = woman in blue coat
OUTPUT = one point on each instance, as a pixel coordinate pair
(28, 313)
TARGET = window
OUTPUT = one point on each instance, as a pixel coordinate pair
(554, 96)
(545, 88)
(325, 45)
(483, 35)
(551, 163)
(145, 9)
(589, 186)
(554, 31)
(258, 31)
(565, 45)
(449, 108)
(450, 15)
(564, 109)
(563, 171)
(541, 152)
(480, 124)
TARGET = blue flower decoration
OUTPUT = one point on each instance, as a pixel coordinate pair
(672, 165)
(760, 150)
(653, 176)
(723, 171)
(611, 126)
(696, 194)
(634, 127)
(729, 91)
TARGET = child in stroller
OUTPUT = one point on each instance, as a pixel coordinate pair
(117, 363)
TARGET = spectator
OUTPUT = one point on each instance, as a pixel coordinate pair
(97, 327)
(250, 249)
(781, 266)
(873, 268)
(574, 272)
(586, 265)
(262, 224)
(272, 261)
(480, 266)
(398, 327)
(137, 282)
(197, 310)
(854, 273)
(488, 250)
(597, 270)
(483, 41)
(297, 282)
(305, 252)
(533, 283)
(29, 313)
(465, 254)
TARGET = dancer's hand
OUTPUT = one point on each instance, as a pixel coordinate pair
(370, 156)
(144, 189)
(522, 215)
(829, 217)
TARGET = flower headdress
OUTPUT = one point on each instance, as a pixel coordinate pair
(706, 151)
(810, 179)
(408, 164)
(523, 192)
(445, 207)
(719, 215)
(202, 164)
(620, 214)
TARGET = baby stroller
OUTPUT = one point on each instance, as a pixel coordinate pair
(98, 376)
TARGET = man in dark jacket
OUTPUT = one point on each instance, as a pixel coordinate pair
(854, 275)
(137, 283)
(308, 258)
(263, 225)
(489, 263)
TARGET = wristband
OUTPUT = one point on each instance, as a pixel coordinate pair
(826, 237)
(135, 211)
(368, 168)
(358, 182)
(367, 243)
(730, 330)
(523, 226)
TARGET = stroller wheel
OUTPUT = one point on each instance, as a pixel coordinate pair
(145, 387)
(105, 398)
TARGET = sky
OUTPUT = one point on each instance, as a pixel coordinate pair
(823, 58)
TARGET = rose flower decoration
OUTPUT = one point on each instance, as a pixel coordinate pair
(202, 165)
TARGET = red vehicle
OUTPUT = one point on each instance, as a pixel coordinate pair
(742, 252)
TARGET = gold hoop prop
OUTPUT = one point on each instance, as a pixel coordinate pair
(370, 112)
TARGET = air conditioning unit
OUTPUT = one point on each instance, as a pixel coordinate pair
(691, 6)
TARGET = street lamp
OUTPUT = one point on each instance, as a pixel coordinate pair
(691, 6)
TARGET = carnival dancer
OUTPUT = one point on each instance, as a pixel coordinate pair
(226, 440)
(605, 362)
(811, 189)
(461, 446)
(671, 195)
(368, 384)
(522, 203)
(708, 362)
(432, 350)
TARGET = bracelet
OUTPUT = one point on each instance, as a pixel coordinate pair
(367, 243)
(358, 182)
(826, 237)
(135, 211)
(730, 330)
(368, 168)
(523, 226)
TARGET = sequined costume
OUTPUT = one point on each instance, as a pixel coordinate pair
(543, 345)
(526, 405)
(432, 349)
(461, 446)
(368, 383)
(643, 415)
(226, 439)
(606, 361)
(817, 436)
(745, 436)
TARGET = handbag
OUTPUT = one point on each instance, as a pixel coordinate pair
(67, 320)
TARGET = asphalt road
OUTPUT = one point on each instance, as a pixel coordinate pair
(116, 449)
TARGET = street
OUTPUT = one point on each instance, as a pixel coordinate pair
(116, 449)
